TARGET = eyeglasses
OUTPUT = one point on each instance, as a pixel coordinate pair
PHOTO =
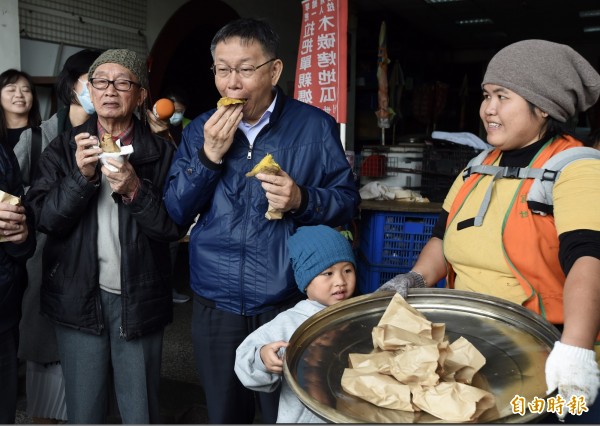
(245, 71)
(121, 85)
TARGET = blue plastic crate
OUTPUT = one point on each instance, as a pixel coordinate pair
(391, 239)
(371, 277)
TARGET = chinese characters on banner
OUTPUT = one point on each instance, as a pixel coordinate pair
(321, 72)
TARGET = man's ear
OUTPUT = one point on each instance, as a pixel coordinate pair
(143, 96)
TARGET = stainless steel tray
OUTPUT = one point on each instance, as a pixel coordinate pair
(514, 341)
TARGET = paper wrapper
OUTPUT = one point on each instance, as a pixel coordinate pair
(379, 362)
(412, 355)
(273, 214)
(379, 389)
(463, 361)
(268, 166)
(119, 156)
(417, 365)
(401, 325)
(453, 402)
(5, 197)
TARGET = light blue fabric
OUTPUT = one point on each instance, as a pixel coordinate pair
(253, 374)
(86, 361)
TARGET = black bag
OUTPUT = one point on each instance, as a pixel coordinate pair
(36, 150)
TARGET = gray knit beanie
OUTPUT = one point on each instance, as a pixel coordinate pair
(126, 58)
(552, 76)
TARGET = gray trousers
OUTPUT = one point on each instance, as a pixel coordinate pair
(88, 361)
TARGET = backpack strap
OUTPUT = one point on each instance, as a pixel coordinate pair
(540, 196)
(476, 166)
(475, 162)
(36, 150)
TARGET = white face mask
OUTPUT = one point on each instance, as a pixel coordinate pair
(84, 99)
(176, 118)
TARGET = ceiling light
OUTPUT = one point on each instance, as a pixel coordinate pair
(589, 13)
(591, 29)
(478, 21)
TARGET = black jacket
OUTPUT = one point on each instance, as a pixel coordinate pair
(13, 256)
(65, 204)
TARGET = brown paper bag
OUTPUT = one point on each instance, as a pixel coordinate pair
(422, 359)
(463, 361)
(379, 389)
(379, 362)
(400, 314)
(417, 366)
(390, 338)
(452, 401)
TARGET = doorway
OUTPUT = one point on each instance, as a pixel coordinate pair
(180, 58)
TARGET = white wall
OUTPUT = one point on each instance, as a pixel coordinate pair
(158, 13)
(9, 35)
(43, 59)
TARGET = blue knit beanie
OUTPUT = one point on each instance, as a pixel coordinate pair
(313, 249)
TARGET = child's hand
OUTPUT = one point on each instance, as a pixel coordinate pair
(270, 358)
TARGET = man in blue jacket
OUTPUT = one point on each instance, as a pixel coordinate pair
(239, 264)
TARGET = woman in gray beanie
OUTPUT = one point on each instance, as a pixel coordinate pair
(494, 237)
(106, 268)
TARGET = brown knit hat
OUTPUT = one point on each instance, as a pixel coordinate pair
(126, 58)
(552, 76)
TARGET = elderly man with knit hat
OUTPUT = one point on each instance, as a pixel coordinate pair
(325, 270)
(105, 278)
(493, 238)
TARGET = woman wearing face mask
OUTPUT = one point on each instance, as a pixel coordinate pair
(173, 127)
(44, 379)
(19, 107)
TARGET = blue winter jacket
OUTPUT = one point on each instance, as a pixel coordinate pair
(238, 259)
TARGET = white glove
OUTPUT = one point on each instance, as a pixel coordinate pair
(401, 283)
(574, 371)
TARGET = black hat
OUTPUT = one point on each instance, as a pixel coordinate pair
(80, 62)
(76, 65)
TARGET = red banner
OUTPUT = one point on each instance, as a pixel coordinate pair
(321, 71)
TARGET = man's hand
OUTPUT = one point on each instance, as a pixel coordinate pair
(124, 181)
(282, 192)
(269, 354)
(86, 154)
(13, 224)
(219, 131)
(574, 371)
(401, 283)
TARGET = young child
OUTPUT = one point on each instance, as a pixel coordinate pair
(325, 269)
